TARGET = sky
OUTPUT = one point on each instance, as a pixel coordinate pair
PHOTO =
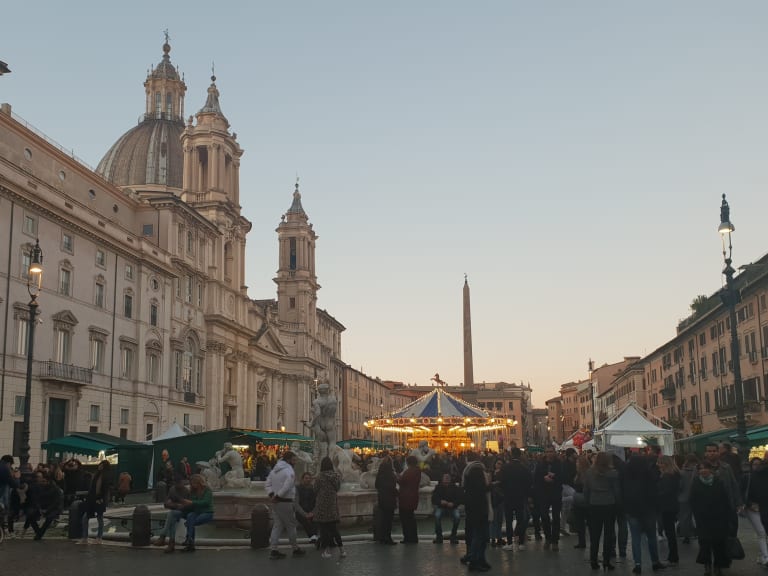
(569, 157)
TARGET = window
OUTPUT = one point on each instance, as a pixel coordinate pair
(292, 255)
(154, 283)
(153, 361)
(26, 260)
(93, 429)
(124, 433)
(67, 242)
(188, 282)
(94, 413)
(101, 258)
(124, 415)
(99, 294)
(63, 339)
(128, 306)
(97, 352)
(702, 339)
(22, 327)
(158, 104)
(190, 243)
(292, 302)
(18, 406)
(185, 421)
(30, 225)
(169, 104)
(129, 271)
(65, 282)
(147, 230)
(200, 294)
(153, 314)
(150, 431)
(127, 355)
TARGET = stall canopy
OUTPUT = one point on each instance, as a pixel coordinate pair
(363, 443)
(273, 438)
(633, 428)
(132, 457)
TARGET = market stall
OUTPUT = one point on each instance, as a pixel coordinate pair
(633, 427)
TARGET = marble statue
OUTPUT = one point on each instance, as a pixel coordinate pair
(233, 478)
(344, 465)
(368, 478)
(423, 454)
(304, 462)
(323, 424)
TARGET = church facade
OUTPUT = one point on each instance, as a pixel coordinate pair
(144, 315)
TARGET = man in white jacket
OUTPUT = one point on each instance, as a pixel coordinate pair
(281, 487)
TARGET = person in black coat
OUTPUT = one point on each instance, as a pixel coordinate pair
(386, 491)
(669, 505)
(516, 485)
(44, 500)
(548, 488)
(640, 503)
(446, 499)
(712, 511)
(96, 501)
(476, 507)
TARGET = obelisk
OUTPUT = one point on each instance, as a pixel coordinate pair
(469, 378)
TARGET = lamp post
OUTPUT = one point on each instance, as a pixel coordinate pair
(34, 282)
(730, 296)
(381, 430)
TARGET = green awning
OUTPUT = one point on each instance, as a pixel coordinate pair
(271, 438)
(363, 443)
(77, 445)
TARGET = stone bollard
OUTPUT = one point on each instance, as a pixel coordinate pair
(260, 526)
(142, 526)
(75, 527)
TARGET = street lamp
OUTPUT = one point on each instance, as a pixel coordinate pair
(381, 430)
(730, 297)
(34, 283)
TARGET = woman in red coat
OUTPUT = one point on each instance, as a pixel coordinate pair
(409, 481)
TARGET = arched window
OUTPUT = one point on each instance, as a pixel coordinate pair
(228, 259)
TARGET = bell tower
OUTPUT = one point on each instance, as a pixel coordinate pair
(296, 280)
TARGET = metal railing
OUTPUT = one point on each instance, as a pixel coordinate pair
(48, 370)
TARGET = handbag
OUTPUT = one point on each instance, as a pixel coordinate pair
(735, 549)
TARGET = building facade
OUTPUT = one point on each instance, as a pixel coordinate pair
(144, 315)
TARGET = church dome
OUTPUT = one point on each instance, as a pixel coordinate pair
(149, 153)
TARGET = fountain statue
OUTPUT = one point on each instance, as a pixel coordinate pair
(233, 478)
(343, 463)
(423, 454)
(323, 424)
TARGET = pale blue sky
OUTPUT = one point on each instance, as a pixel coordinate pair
(568, 156)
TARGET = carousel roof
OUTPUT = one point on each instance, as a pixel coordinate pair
(439, 403)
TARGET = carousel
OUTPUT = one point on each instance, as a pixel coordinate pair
(445, 422)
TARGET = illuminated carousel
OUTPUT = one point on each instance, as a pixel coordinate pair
(446, 423)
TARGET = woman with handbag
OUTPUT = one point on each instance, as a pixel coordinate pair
(712, 512)
(751, 490)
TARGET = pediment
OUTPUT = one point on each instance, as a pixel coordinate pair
(65, 317)
(266, 339)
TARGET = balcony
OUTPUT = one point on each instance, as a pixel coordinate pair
(230, 400)
(727, 412)
(692, 416)
(190, 397)
(668, 392)
(64, 373)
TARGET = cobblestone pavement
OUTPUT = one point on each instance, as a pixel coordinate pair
(60, 556)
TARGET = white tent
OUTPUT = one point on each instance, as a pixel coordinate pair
(173, 432)
(632, 427)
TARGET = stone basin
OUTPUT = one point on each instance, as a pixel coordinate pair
(233, 507)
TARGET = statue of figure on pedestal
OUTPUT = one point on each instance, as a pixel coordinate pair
(323, 422)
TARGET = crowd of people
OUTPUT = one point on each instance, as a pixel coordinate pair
(605, 499)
